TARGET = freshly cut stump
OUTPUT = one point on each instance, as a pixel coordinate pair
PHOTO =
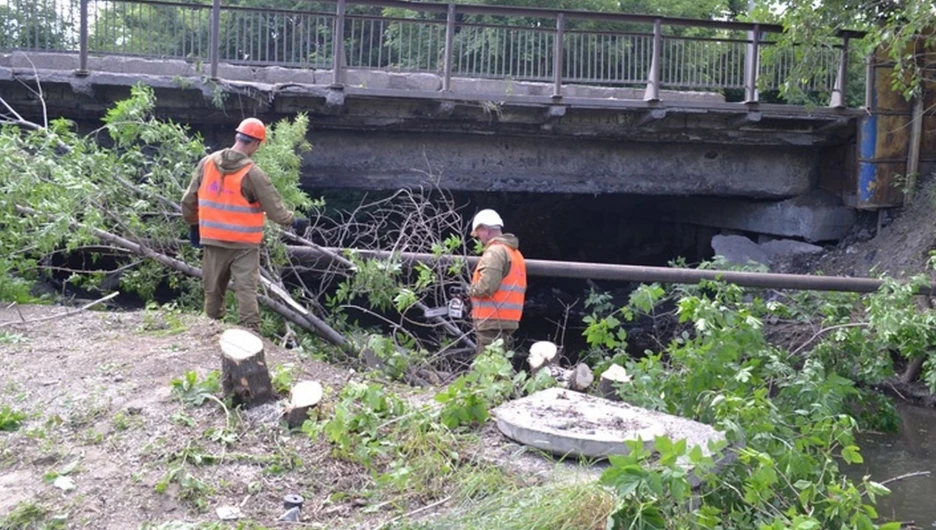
(542, 354)
(304, 396)
(610, 380)
(244, 374)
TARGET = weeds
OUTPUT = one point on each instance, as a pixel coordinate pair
(32, 516)
(10, 420)
(8, 337)
(193, 392)
(283, 378)
(163, 320)
(556, 506)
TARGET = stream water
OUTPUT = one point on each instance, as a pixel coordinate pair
(911, 449)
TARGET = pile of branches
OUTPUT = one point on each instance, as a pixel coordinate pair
(115, 193)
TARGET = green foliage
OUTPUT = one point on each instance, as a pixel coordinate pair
(32, 516)
(12, 287)
(355, 426)
(10, 419)
(283, 377)
(490, 382)
(193, 392)
(812, 28)
(787, 414)
(123, 186)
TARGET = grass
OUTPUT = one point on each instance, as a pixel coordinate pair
(556, 506)
(32, 516)
(10, 419)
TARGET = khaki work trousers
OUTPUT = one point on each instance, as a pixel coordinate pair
(486, 337)
(219, 266)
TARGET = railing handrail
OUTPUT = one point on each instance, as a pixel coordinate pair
(554, 59)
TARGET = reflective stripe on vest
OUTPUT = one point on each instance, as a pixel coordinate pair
(223, 212)
(507, 302)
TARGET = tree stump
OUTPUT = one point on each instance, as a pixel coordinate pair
(580, 378)
(610, 380)
(244, 374)
(542, 354)
(302, 397)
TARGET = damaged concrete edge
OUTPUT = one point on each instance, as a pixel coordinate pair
(274, 80)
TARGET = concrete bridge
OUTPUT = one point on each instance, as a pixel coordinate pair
(632, 108)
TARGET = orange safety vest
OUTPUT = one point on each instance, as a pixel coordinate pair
(507, 302)
(223, 212)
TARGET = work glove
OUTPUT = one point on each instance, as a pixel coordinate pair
(193, 236)
(300, 225)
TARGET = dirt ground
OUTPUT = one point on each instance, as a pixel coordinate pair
(900, 249)
(96, 390)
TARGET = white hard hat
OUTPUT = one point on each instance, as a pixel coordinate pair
(486, 217)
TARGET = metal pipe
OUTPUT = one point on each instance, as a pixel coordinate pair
(215, 51)
(841, 81)
(449, 40)
(631, 273)
(653, 83)
(338, 44)
(750, 84)
(557, 56)
(83, 40)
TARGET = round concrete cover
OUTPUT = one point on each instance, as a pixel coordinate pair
(571, 423)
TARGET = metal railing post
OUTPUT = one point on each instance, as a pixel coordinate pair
(557, 56)
(338, 45)
(753, 66)
(83, 40)
(449, 41)
(215, 51)
(653, 82)
(869, 81)
(841, 82)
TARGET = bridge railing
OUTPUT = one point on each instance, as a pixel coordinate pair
(451, 40)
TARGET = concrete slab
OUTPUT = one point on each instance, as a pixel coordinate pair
(570, 423)
(815, 215)
(740, 250)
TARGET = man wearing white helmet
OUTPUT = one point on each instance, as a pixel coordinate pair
(498, 285)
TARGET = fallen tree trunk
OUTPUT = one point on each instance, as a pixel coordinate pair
(244, 374)
(306, 320)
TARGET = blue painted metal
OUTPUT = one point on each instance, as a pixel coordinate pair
(867, 168)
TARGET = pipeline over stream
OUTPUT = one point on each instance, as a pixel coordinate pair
(637, 273)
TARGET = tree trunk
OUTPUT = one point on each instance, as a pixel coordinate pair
(304, 396)
(244, 374)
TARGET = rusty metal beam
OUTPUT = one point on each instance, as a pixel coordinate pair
(635, 273)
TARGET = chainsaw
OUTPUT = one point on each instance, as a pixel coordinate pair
(454, 309)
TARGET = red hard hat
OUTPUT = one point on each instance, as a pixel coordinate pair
(253, 128)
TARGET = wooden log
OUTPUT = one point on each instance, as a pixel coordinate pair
(302, 397)
(244, 374)
(610, 380)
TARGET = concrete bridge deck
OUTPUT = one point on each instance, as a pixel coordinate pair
(383, 130)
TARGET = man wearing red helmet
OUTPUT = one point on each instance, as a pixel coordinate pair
(224, 206)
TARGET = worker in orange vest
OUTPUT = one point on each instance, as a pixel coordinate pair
(224, 206)
(498, 285)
